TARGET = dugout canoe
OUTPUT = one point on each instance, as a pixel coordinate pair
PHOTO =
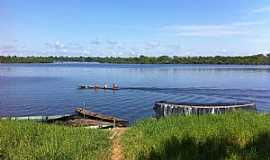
(36, 118)
(82, 118)
(102, 117)
(97, 87)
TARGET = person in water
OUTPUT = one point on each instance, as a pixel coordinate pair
(96, 86)
(115, 86)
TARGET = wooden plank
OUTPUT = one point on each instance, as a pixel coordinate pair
(102, 117)
(76, 120)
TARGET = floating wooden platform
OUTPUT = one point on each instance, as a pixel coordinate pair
(96, 87)
(78, 121)
(164, 108)
(93, 115)
(82, 118)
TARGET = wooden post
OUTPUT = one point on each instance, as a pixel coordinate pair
(84, 108)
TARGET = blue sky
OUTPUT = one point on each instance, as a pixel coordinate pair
(134, 27)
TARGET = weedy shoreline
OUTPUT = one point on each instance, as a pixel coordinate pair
(239, 135)
(234, 135)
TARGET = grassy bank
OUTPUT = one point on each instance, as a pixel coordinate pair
(240, 135)
(231, 136)
(30, 140)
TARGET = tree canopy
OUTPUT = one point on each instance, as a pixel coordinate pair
(254, 60)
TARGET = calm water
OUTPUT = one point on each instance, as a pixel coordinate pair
(48, 89)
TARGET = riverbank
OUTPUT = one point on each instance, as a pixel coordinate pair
(241, 135)
(259, 59)
(23, 140)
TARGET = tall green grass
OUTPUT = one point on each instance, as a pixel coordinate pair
(240, 135)
(23, 140)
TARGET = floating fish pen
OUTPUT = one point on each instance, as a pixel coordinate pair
(164, 108)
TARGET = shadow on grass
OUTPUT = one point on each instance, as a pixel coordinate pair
(211, 149)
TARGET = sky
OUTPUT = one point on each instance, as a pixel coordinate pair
(134, 27)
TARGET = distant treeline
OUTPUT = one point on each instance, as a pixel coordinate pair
(255, 59)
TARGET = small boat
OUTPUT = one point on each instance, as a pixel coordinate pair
(101, 117)
(79, 121)
(82, 118)
(36, 118)
(98, 87)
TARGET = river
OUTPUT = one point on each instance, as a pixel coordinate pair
(49, 89)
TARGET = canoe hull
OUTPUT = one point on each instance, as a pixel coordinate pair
(94, 87)
(101, 117)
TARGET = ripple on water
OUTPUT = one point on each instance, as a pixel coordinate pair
(52, 89)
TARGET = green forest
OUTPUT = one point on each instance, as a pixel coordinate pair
(259, 59)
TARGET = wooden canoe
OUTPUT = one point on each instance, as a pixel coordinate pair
(81, 122)
(96, 87)
(37, 118)
(83, 118)
(97, 116)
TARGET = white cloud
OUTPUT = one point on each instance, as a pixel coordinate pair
(74, 46)
(95, 42)
(19, 51)
(56, 45)
(110, 42)
(212, 30)
(262, 9)
(6, 49)
(152, 45)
